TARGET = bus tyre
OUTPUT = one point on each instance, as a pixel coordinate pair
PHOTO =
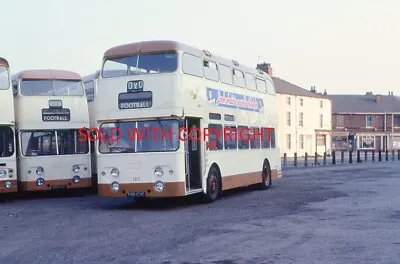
(213, 185)
(266, 180)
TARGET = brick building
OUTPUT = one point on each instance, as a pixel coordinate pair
(365, 122)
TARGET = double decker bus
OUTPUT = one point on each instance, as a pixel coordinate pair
(180, 102)
(8, 161)
(50, 110)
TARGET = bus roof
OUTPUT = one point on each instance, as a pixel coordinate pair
(169, 45)
(47, 75)
(4, 62)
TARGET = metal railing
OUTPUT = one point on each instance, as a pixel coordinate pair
(340, 157)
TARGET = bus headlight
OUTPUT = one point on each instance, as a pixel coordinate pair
(76, 179)
(8, 184)
(158, 171)
(39, 171)
(159, 186)
(114, 172)
(75, 168)
(39, 181)
(3, 173)
(115, 186)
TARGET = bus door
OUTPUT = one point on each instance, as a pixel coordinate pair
(193, 150)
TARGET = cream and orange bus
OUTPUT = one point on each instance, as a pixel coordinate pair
(167, 86)
(8, 161)
(50, 108)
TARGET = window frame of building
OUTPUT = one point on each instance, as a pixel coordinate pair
(288, 141)
(396, 121)
(301, 101)
(288, 118)
(288, 100)
(362, 138)
(321, 121)
(301, 141)
(301, 119)
(321, 104)
(370, 121)
(340, 121)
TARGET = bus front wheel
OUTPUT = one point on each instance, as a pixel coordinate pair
(266, 179)
(213, 185)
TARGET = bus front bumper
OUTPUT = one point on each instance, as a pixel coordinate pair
(8, 186)
(166, 189)
(54, 184)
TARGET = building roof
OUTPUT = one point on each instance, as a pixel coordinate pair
(365, 103)
(285, 87)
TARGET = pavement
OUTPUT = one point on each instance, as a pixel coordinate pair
(335, 214)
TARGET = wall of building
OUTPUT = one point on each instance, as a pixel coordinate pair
(311, 110)
(378, 134)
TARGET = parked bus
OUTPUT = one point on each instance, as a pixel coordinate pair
(90, 82)
(169, 87)
(50, 109)
(8, 161)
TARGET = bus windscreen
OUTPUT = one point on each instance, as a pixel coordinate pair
(51, 88)
(162, 62)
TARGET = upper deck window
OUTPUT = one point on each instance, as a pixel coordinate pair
(261, 85)
(192, 65)
(250, 81)
(4, 78)
(238, 78)
(161, 62)
(210, 70)
(225, 74)
(51, 88)
(270, 87)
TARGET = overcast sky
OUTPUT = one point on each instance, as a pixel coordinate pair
(343, 46)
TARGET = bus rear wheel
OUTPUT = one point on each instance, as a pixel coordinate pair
(213, 185)
(266, 179)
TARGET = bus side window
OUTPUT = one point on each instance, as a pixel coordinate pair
(192, 65)
(273, 138)
(215, 138)
(230, 137)
(243, 137)
(266, 137)
(255, 137)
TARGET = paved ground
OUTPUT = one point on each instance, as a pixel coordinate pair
(346, 214)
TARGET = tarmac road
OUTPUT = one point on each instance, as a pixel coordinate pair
(345, 214)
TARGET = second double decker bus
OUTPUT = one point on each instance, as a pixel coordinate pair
(8, 164)
(154, 102)
(50, 109)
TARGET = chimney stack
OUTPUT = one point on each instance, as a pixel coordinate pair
(378, 98)
(325, 93)
(265, 67)
(313, 90)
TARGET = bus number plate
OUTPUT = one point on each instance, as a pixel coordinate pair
(57, 187)
(136, 194)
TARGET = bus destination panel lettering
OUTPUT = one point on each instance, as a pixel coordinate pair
(55, 115)
(135, 100)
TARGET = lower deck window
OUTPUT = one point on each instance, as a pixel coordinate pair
(53, 142)
(139, 136)
(6, 142)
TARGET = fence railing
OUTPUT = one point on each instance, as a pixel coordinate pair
(340, 157)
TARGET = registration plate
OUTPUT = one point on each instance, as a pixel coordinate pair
(59, 187)
(136, 194)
